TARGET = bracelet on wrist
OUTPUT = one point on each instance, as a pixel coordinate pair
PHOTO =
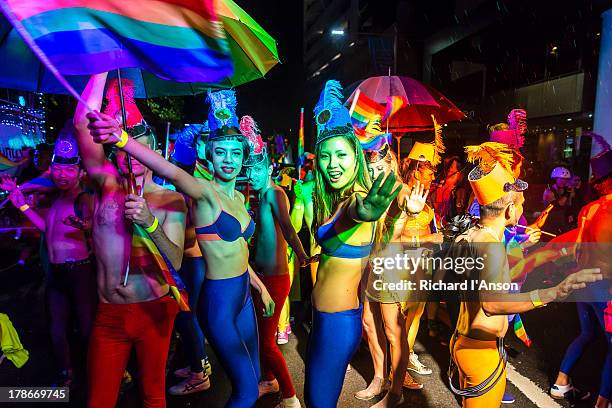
(535, 299)
(24, 208)
(153, 226)
(124, 138)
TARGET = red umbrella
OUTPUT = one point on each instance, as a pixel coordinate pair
(421, 101)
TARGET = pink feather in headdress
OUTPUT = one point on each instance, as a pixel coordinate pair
(248, 127)
(113, 102)
(517, 119)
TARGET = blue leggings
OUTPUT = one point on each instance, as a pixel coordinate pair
(229, 320)
(334, 339)
(591, 315)
(187, 325)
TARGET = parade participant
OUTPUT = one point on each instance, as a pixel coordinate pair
(71, 279)
(384, 307)
(274, 231)
(224, 226)
(192, 274)
(136, 308)
(420, 169)
(477, 350)
(594, 236)
(450, 198)
(561, 195)
(346, 209)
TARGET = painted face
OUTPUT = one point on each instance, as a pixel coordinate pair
(425, 175)
(137, 168)
(65, 176)
(378, 168)
(337, 162)
(258, 175)
(201, 150)
(227, 158)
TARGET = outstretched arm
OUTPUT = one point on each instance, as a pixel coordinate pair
(19, 201)
(280, 209)
(105, 130)
(92, 154)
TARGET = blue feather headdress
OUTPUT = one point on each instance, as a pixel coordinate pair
(222, 119)
(331, 115)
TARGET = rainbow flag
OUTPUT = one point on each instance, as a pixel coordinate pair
(394, 104)
(143, 249)
(301, 140)
(363, 110)
(519, 329)
(178, 40)
(375, 143)
(7, 164)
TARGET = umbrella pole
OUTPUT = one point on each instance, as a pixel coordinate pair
(399, 146)
(131, 180)
(167, 140)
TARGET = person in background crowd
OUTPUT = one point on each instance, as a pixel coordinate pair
(139, 297)
(71, 282)
(274, 232)
(560, 194)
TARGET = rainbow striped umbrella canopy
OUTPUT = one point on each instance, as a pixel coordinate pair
(253, 53)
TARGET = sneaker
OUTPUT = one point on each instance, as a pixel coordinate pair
(376, 387)
(185, 372)
(411, 384)
(415, 365)
(268, 387)
(282, 337)
(508, 398)
(292, 402)
(197, 382)
(568, 392)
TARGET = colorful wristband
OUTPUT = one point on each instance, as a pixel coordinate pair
(124, 138)
(24, 207)
(153, 226)
(535, 299)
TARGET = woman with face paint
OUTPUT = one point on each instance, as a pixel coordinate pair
(347, 207)
(223, 228)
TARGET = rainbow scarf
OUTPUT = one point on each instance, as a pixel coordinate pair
(178, 40)
(143, 250)
(365, 109)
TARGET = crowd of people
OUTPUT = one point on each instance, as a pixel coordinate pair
(133, 259)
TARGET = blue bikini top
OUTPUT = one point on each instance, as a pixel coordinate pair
(326, 236)
(225, 228)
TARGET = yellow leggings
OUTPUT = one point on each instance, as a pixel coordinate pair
(413, 312)
(476, 360)
(285, 314)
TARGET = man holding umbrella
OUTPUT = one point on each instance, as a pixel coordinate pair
(137, 312)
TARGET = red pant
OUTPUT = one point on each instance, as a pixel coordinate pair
(147, 327)
(272, 361)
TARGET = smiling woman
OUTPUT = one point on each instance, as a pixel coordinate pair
(347, 206)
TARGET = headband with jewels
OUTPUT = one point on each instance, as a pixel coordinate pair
(375, 143)
(492, 178)
(249, 128)
(222, 118)
(66, 151)
(331, 115)
(430, 152)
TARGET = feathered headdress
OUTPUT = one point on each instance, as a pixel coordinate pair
(184, 146)
(517, 119)
(492, 178)
(375, 142)
(487, 154)
(249, 128)
(222, 118)
(431, 152)
(113, 102)
(331, 115)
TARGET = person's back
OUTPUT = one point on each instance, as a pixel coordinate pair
(271, 245)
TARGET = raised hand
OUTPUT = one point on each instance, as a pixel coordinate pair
(7, 183)
(378, 199)
(103, 128)
(137, 210)
(577, 280)
(415, 202)
(17, 198)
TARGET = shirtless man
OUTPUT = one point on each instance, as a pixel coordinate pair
(274, 231)
(138, 313)
(71, 283)
(477, 345)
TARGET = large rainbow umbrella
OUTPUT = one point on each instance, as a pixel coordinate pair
(253, 53)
